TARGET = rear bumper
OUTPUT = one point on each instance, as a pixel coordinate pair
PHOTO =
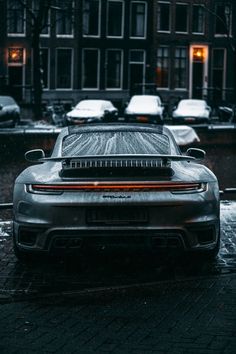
(196, 237)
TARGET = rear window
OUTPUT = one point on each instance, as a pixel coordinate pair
(112, 143)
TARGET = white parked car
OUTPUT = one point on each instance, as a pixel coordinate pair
(9, 111)
(89, 111)
(145, 108)
(191, 111)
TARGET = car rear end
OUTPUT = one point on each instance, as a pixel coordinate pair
(117, 202)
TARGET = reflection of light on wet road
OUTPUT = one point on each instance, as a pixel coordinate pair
(69, 274)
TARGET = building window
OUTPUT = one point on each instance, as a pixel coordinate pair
(115, 18)
(64, 19)
(45, 67)
(198, 19)
(15, 17)
(91, 18)
(137, 64)
(64, 60)
(162, 69)
(223, 19)
(181, 18)
(90, 69)
(138, 19)
(180, 68)
(15, 56)
(114, 69)
(163, 17)
(45, 22)
(218, 79)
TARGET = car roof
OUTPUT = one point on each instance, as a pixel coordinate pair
(192, 100)
(7, 100)
(145, 97)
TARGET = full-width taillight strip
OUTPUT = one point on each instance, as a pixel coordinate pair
(101, 186)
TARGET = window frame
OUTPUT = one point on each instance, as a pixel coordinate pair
(71, 35)
(163, 47)
(159, 14)
(16, 34)
(98, 69)
(98, 35)
(187, 20)
(186, 68)
(72, 69)
(122, 19)
(203, 20)
(229, 31)
(121, 69)
(145, 19)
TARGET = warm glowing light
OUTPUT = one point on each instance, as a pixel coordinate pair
(15, 55)
(198, 54)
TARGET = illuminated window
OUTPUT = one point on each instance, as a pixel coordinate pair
(198, 55)
(15, 55)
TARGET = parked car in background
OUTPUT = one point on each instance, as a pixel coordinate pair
(9, 111)
(191, 111)
(113, 187)
(89, 111)
(144, 109)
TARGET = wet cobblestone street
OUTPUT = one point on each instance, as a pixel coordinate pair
(70, 274)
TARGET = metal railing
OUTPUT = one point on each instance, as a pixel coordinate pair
(5, 206)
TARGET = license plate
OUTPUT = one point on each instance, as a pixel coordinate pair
(142, 119)
(117, 216)
(190, 119)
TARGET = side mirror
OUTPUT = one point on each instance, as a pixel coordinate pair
(1, 107)
(34, 155)
(198, 154)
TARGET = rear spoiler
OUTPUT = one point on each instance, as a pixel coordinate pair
(38, 155)
(119, 156)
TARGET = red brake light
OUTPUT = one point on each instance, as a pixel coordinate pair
(119, 186)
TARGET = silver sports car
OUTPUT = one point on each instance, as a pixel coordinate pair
(117, 186)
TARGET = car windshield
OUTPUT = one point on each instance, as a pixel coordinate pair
(5, 100)
(89, 105)
(112, 143)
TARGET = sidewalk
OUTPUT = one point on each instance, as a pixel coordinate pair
(188, 312)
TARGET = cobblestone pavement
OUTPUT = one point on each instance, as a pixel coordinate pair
(120, 305)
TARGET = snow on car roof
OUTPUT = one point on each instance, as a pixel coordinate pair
(94, 104)
(6, 100)
(192, 102)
